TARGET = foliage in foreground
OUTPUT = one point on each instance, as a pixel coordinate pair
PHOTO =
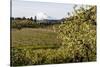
(79, 35)
(22, 57)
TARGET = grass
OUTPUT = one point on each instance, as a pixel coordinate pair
(34, 38)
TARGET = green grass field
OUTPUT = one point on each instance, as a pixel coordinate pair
(34, 38)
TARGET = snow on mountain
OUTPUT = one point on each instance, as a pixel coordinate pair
(42, 16)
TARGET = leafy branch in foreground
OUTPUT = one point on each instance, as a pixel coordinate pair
(78, 34)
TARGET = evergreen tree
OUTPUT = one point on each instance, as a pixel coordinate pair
(31, 19)
(35, 19)
(24, 18)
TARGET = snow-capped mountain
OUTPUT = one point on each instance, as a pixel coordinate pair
(42, 16)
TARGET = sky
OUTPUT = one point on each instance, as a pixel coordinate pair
(22, 8)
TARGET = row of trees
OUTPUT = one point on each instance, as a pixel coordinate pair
(24, 18)
(19, 22)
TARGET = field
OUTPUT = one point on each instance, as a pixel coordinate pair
(33, 45)
(36, 38)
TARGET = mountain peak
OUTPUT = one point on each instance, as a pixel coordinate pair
(42, 16)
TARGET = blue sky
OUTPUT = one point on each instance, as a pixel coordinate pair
(22, 8)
